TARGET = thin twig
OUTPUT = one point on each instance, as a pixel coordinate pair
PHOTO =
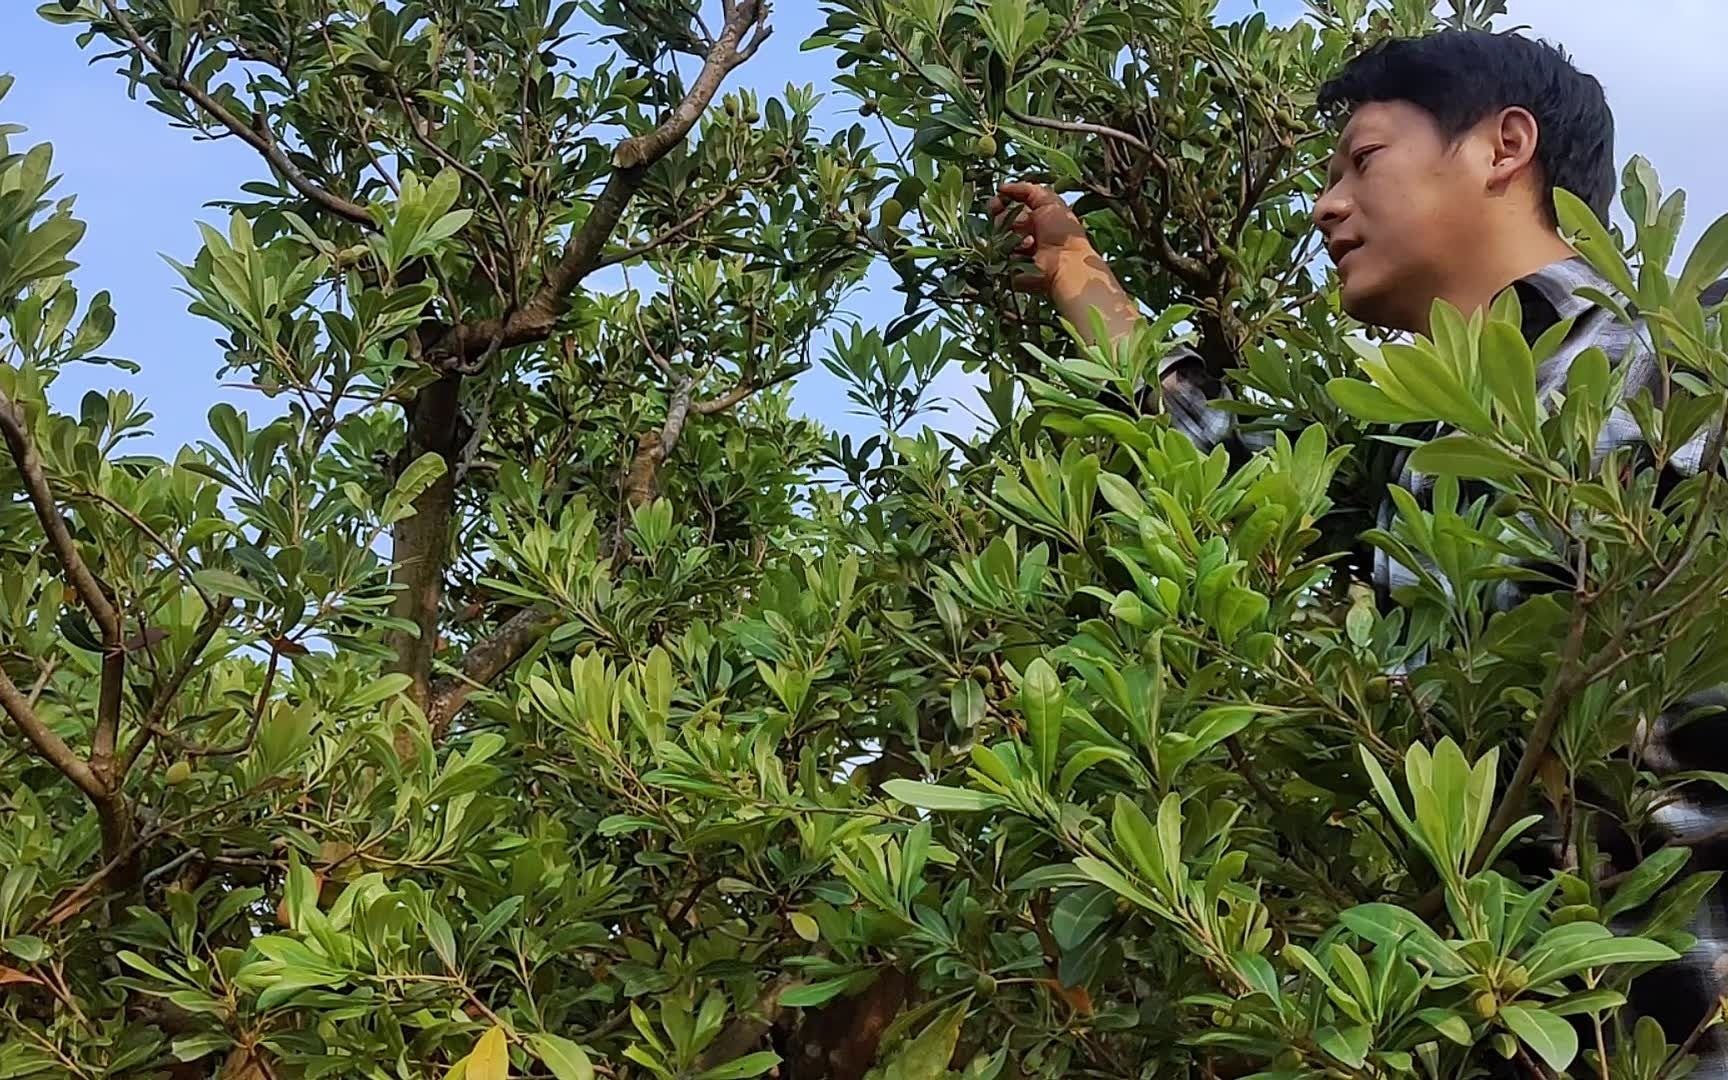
(256, 137)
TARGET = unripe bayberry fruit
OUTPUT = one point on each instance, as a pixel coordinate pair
(1486, 1005)
(179, 772)
(873, 41)
(892, 212)
(984, 145)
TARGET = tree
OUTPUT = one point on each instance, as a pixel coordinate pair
(536, 695)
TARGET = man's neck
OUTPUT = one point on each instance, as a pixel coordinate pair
(1498, 268)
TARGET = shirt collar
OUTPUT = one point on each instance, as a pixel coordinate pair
(1553, 290)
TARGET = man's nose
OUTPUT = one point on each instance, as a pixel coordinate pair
(1331, 210)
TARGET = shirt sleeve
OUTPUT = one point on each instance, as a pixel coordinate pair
(1188, 393)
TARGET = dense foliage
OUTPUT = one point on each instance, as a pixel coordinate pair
(530, 692)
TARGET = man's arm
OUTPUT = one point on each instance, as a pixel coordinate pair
(1069, 269)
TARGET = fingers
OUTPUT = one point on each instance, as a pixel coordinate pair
(1022, 191)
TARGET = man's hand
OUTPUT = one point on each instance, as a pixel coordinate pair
(1052, 235)
(1069, 269)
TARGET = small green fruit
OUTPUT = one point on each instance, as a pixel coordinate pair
(1506, 505)
(984, 145)
(1486, 1004)
(980, 672)
(1378, 689)
(984, 985)
(179, 773)
(868, 108)
(892, 212)
(873, 41)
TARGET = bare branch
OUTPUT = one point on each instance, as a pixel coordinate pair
(1081, 127)
(677, 412)
(744, 389)
(1573, 677)
(83, 582)
(50, 746)
(151, 725)
(695, 218)
(485, 661)
(584, 251)
(258, 138)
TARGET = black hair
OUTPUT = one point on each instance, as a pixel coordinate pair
(1460, 77)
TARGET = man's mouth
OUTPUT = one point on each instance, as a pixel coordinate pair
(1341, 250)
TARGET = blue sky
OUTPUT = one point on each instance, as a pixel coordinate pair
(142, 186)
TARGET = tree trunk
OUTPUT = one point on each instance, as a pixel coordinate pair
(420, 544)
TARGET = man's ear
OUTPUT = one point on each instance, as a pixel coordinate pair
(1513, 136)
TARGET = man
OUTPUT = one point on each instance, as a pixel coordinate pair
(1441, 188)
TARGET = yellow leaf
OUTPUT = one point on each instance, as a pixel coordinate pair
(805, 926)
(489, 1060)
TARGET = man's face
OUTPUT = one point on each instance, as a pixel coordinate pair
(1401, 212)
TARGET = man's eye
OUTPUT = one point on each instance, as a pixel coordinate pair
(1360, 157)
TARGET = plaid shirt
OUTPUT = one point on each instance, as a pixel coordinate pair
(1679, 994)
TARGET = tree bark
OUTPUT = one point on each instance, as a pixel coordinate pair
(421, 543)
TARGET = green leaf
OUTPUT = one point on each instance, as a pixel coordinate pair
(1593, 241)
(927, 1056)
(381, 689)
(1042, 700)
(933, 797)
(1708, 261)
(747, 1066)
(1390, 926)
(1368, 402)
(1349, 1045)
(1510, 371)
(813, 994)
(967, 702)
(566, 1060)
(226, 583)
(1551, 1037)
(1079, 913)
(193, 1047)
(413, 482)
(1464, 455)
(1449, 1024)
(1586, 1001)
(1120, 494)
(1644, 881)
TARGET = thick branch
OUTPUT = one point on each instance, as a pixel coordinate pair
(256, 137)
(584, 252)
(743, 390)
(78, 575)
(485, 662)
(51, 747)
(83, 582)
